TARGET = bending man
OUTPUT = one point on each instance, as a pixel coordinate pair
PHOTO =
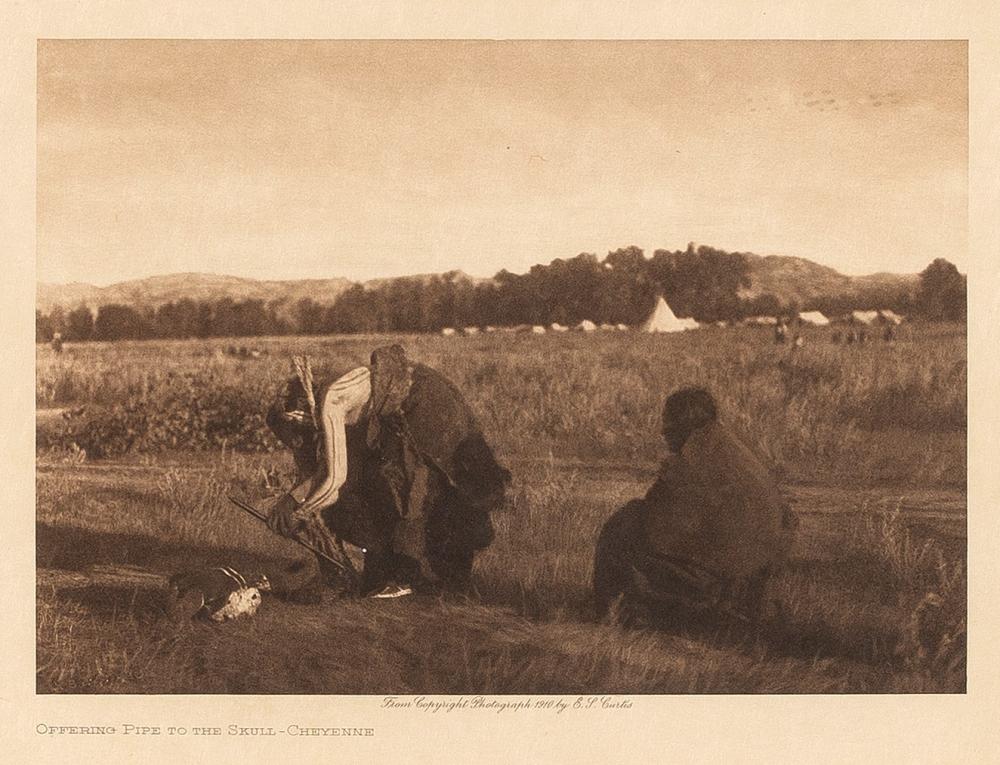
(396, 464)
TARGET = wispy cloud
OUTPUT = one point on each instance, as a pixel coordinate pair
(365, 158)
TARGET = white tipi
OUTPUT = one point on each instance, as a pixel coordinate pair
(662, 319)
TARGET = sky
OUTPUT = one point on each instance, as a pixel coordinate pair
(364, 159)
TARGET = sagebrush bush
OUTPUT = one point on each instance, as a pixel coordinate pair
(197, 417)
(929, 589)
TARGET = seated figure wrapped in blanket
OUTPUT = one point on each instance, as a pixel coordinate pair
(390, 459)
(707, 536)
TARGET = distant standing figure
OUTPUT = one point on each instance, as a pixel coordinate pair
(57, 342)
(780, 332)
(835, 338)
(850, 337)
(889, 334)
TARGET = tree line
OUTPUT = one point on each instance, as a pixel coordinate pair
(700, 282)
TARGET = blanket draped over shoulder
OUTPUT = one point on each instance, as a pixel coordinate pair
(716, 506)
(417, 411)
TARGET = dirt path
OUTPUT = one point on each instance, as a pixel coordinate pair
(944, 508)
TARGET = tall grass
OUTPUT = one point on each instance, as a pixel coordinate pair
(880, 411)
(927, 585)
(577, 419)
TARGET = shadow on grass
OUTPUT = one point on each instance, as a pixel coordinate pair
(109, 600)
(857, 637)
(817, 632)
(74, 549)
(854, 573)
(557, 601)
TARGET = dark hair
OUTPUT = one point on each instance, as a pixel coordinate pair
(295, 396)
(684, 412)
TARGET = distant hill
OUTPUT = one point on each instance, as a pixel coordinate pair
(154, 291)
(790, 279)
(157, 290)
(798, 280)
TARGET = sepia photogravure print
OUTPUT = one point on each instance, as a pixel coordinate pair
(478, 367)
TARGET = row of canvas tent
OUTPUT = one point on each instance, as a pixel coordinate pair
(816, 318)
(805, 317)
(535, 329)
(661, 319)
(881, 316)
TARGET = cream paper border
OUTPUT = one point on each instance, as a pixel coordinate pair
(960, 728)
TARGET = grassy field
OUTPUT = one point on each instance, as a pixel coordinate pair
(869, 442)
